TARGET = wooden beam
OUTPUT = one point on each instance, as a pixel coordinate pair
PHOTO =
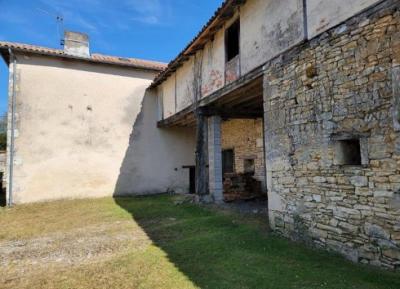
(245, 102)
(201, 153)
(228, 113)
(221, 96)
(244, 80)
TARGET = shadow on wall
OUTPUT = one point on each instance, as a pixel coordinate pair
(154, 158)
(3, 201)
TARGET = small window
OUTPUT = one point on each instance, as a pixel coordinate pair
(232, 40)
(348, 152)
(228, 161)
(249, 167)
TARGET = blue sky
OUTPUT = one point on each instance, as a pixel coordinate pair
(149, 29)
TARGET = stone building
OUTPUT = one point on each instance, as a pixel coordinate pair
(324, 77)
(299, 98)
(77, 126)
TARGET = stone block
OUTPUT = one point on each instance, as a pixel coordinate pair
(376, 231)
(319, 179)
(348, 227)
(383, 194)
(394, 179)
(330, 229)
(392, 253)
(317, 198)
(359, 181)
(317, 233)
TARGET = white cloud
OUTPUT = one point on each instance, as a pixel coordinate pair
(151, 12)
(152, 20)
(148, 7)
(78, 19)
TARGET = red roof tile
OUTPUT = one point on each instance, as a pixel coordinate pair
(97, 58)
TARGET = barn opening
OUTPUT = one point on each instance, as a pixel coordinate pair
(241, 143)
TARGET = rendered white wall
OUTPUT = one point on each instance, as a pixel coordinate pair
(323, 14)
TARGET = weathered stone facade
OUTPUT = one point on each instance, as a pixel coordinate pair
(245, 137)
(342, 85)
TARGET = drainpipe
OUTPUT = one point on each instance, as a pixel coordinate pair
(12, 137)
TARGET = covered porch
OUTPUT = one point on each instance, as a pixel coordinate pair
(230, 154)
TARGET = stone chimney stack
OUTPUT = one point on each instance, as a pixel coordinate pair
(76, 44)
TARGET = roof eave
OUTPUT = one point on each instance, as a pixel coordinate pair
(222, 14)
(4, 51)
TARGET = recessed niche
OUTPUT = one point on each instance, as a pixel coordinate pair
(348, 152)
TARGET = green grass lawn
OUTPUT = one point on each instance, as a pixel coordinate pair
(151, 243)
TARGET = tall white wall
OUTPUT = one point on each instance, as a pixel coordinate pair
(323, 14)
(213, 68)
(76, 126)
(154, 158)
(268, 27)
(168, 94)
(184, 85)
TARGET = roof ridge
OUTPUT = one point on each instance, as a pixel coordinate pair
(94, 57)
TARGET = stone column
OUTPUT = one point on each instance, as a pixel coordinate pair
(215, 158)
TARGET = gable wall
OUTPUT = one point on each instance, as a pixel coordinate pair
(88, 130)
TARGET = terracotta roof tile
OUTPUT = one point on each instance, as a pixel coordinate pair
(98, 58)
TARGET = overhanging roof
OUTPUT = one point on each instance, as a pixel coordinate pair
(223, 14)
(242, 98)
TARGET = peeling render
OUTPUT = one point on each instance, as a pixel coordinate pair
(232, 70)
(268, 28)
(184, 85)
(323, 15)
(213, 65)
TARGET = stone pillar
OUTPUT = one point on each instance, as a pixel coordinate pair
(215, 158)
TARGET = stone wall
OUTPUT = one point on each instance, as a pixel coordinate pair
(341, 85)
(245, 137)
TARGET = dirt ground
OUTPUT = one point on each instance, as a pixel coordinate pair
(24, 258)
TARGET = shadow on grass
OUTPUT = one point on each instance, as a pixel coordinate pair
(216, 250)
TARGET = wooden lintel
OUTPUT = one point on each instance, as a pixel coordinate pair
(228, 113)
(245, 102)
(242, 81)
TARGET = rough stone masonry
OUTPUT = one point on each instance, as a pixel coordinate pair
(338, 94)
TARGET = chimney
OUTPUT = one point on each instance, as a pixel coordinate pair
(76, 44)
